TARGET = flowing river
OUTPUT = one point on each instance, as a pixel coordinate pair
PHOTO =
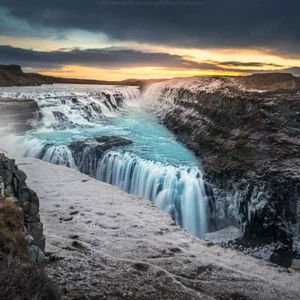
(154, 166)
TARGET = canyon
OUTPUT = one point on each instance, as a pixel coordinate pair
(238, 186)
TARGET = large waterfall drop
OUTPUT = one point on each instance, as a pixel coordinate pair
(178, 191)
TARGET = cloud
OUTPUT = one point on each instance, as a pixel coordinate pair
(105, 58)
(116, 58)
(215, 24)
(247, 64)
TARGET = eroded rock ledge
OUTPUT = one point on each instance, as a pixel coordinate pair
(88, 153)
(246, 132)
(13, 187)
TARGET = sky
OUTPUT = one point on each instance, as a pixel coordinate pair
(121, 39)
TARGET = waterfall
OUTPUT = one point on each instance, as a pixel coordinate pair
(154, 166)
(178, 191)
(32, 147)
(87, 107)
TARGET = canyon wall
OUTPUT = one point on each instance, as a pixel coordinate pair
(246, 132)
(14, 188)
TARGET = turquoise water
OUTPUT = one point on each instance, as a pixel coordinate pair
(151, 140)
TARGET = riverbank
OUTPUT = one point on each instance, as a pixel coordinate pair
(106, 244)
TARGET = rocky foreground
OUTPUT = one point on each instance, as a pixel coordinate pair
(246, 132)
(105, 244)
(13, 187)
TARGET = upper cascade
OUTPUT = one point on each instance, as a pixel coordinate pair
(61, 108)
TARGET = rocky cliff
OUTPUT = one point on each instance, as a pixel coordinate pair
(87, 154)
(13, 188)
(246, 132)
(12, 75)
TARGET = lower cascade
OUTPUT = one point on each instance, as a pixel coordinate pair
(178, 191)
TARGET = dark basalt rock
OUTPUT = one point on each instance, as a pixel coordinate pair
(13, 186)
(88, 153)
(249, 145)
(12, 68)
(112, 141)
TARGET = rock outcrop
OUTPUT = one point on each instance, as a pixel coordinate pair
(88, 153)
(13, 69)
(13, 187)
(18, 114)
(246, 132)
(12, 75)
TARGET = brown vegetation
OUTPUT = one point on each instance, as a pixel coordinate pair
(20, 279)
(12, 235)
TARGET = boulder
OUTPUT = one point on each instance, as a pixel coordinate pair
(88, 153)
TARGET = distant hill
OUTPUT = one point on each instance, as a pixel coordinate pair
(12, 75)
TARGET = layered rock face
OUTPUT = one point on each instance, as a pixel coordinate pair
(87, 154)
(18, 114)
(246, 131)
(13, 186)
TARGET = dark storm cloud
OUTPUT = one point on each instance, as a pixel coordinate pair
(217, 23)
(106, 58)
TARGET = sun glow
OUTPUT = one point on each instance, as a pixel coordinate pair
(215, 57)
(125, 73)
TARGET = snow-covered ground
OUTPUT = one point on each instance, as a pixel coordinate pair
(107, 244)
